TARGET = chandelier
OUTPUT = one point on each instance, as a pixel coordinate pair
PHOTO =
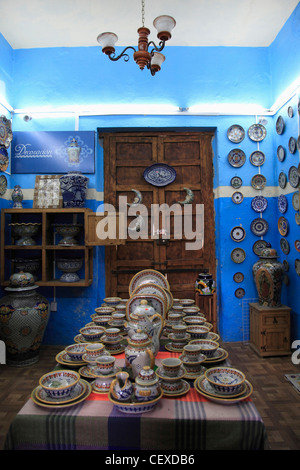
(148, 54)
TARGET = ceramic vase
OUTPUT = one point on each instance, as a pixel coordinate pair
(268, 275)
(17, 197)
(73, 188)
(205, 284)
(73, 151)
(24, 315)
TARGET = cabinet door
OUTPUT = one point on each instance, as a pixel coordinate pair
(104, 229)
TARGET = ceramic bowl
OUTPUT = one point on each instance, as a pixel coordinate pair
(104, 310)
(225, 380)
(192, 310)
(171, 366)
(106, 364)
(198, 331)
(208, 347)
(59, 384)
(179, 331)
(101, 320)
(76, 351)
(112, 301)
(92, 333)
(186, 302)
(193, 320)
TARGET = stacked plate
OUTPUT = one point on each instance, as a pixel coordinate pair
(81, 391)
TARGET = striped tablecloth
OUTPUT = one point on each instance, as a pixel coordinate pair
(189, 423)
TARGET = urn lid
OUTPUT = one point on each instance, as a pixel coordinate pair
(144, 308)
(268, 253)
(21, 281)
(147, 376)
(139, 338)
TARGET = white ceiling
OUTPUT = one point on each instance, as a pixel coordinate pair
(69, 23)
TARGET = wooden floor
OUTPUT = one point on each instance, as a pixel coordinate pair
(275, 398)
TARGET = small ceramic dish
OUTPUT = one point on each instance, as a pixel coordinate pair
(187, 302)
(76, 351)
(208, 347)
(104, 310)
(198, 331)
(59, 384)
(101, 320)
(92, 333)
(112, 301)
(225, 380)
(192, 310)
(194, 320)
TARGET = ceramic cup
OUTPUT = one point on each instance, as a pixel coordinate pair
(105, 364)
(179, 331)
(174, 318)
(173, 386)
(171, 366)
(112, 334)
(94, 349)
(192, 352)
(118, 318)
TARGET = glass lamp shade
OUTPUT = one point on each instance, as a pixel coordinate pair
(156, 61)
(107, 42)
(164, 25)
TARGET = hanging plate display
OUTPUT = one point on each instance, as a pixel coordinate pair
(297, 245)
(297, 218)
(286, 265)
(257, 158)
(239, 293)
(259, 227)
(259, 245)
(282, 180)
(258, 181)
(294, 177)
(159, 174)
(297, 266)
(237, 197)
(259, 203)
(238, 277)
(283, 226)
(295, 201)
(238, 255)
(236, 158)
(298, 142)
(280, 153)
(236, 133)
(4, 159)
(282, 203)
(292, 145)
(3, 184)
(257, 132)
(280, 125)
(285, 246)
(5, 132)
(236, 182)
(290, 112)
(238, 234)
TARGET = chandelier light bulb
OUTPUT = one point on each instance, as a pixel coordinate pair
(107, 42)
(164, 25)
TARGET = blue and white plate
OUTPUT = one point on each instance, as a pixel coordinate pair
(282, 203)
(280, 153)
(294, 177)
(257, 158)
(238, 234)
(285, 246)
(159, 174)
(236, 133)
(259, 203)
(257, 132)
(259, 227)
(292, 145)
(282, 180)
(237, 158)
(237, 197)
(280, 125)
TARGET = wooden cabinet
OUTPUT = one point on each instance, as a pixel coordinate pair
(270, 330)
(46, 249)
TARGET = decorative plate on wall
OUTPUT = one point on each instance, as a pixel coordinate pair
(295, 201)
(259, 203)
(280, 153)
(239, 293)
(238, 234)
(236, 158)
(297, 218)
(294, 177)
(280, 125)
(259, 245)
(4, 159)
(298, 142)
(283, 226)
(297, 245)
(237, 197)
(236, 133)
(285, 246)
(238, 255)
(286, 265)
(257, 132)
(5, 132)
(238, 277)
(3, 185)
(292, 145)
(257, 158)
(236, 182)
(297, 266)
(160, 174)
(282, 203)
(259, 227)
(282, 180)
(258, 181)
(290, 112)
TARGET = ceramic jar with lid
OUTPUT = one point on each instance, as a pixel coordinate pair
(138, 353)
(147, 385)
(268, 274)
(205, 284)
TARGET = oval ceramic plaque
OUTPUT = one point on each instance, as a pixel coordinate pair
(160, 174)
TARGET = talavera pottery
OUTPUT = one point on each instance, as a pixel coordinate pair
(283, 226)
(155, 301)
(282, 180)
(280, 153)
(225, 380)
(3, 184)
(17, 197)
(294, 177)
(295, 201)
(238, 255)
(236, 133)
(205, 284)
(147, 276)
(28, 265)
(153, 290)
(138, 353)
(135, 407)
(208, 347)
(69, 266)
(6, 134)
(24, 315)
(68, 232)
(282, 203)
(259, 203)
(121, 387)
(257, 158)
(51, 404)
(237, 197)
(203, 387)
(238, 234)
(236, 158)
(76, 351)
(260, 245)
(292, 145)
(280, 125)
(160, 174)
(73, 189)
(236, 182)
(25, 232)
(257, 132)
(76, 393)
(112, 301)
(268, 274)
(259, 227)
(58, 384)
(92, 333)
(147, 385)
(258, 181)
(73, 151)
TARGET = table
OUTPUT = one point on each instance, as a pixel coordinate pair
(190, 422)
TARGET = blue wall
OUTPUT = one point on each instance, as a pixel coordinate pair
(61, 77)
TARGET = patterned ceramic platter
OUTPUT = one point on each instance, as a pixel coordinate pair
(285, 246)
(258, 181)
(294, 177)
(159, 174)
(286, 265)
(148, 276)
(282, 180)
(5, 132)
(35, 396)
(297, 218)
(283, 226)
(238, 277)
(3, 184)
(259, 245)
(203, 387)
(155, 301)
(257, 132)
(239, 293)
(238, 255)
(135, 407)
(237, 197)
(280, 153)
(150, 289)
(236, 158)
(292, 145)
(282, 203)
(238, 234)
(257, 158)
(4, 159)
(280, 125)
(297, 266)
(295, 201)
(297, 245)
(259, 227)
(236, 182)
(290, 111)
(259, 203)
(236, 133)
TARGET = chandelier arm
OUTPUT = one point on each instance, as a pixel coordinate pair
(123, 54)
(156, 48)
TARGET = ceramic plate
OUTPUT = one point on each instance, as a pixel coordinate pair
(257, 132)
(295, 201)
(78, 391)
(148, 276)
(292, 145)
(297, 218)
(297, 245)
(236, 158)
(290, 112)
(258, 181)
(237, 197)
(280, 153)
(155, 301)
(298, 142)
(3, 184)
(236, 182)
(285, 246)
(5, 132)
(203, 387)
(160, 174)
(282, 203)
(282, 180)
(286, 265)
(38, 402)
(259, 227)
(218, 356)
(238, 234)
(283, 226)
(259, 203)
(294, 177)
(259, 245)
(4, 160)
(257, 158)
(236, 133)
(238, 255)
(297, 266)
(280, 125)
(152, 289)
(239, 293)
(238, 277)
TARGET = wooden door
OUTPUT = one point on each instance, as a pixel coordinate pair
(126, 156)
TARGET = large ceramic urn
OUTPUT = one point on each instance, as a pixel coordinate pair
(24, 315)
(268, 275)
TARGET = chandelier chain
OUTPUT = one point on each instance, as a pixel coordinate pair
(143, 13)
